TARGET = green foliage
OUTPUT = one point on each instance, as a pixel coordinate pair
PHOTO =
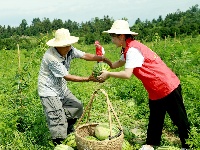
(22, 114)
(193, 141)
(127, 133)
(22, 121)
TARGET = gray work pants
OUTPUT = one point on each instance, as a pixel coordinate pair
(58, 111)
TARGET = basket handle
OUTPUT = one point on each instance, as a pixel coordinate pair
(110, 107)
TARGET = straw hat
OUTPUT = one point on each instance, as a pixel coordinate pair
(120, 27)
(62, 38)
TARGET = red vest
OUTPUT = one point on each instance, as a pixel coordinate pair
(99, 51)
(157, 78)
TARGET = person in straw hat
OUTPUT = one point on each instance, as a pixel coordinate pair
(99, 49)
(162, 85)
(61, 107)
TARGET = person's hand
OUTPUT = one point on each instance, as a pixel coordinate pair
(104, 75)
(92, 78)
(111, 66)
(106, 60)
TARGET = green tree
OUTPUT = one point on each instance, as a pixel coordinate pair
(35, 26)
(23, 27)
(47, 26)
(57, 23)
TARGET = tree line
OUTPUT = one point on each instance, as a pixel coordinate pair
(174, 24)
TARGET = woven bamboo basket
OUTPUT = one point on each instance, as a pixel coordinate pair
(88, 129)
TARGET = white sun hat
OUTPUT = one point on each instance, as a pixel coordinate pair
(62, 38)
(120, 27)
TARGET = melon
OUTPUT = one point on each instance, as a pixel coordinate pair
(63, 147)
(100, 67)
(91, 138)
(70, 140)
(102, 131)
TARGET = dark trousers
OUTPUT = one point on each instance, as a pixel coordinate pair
(173, 105)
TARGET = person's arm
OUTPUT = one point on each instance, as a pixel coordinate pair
(118, 64)
(75, 78)
(126, 74)
(92, 57)
(134, 59)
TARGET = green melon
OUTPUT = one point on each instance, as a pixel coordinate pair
(102, 131)
(92, 138)
(63, 147)
(100, 67)
(70, 140)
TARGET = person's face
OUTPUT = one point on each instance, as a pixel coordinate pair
(96, 45)
(117, 39)
(64, 50)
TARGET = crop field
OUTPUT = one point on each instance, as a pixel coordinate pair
(22, 122)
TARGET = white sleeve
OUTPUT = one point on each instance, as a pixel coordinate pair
(78, 53)
(134, 58)
(103, 51)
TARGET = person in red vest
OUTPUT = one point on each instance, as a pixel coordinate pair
(162, 85)
(99, 49)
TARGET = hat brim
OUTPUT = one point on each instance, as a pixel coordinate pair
(121, 32)
(62, 43)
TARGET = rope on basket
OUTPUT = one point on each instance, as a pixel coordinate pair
(110, 107)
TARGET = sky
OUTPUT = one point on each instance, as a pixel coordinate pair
(12, 12)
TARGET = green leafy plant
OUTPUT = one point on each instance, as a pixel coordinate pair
(22, 121)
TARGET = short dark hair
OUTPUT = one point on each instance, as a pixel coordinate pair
(129, 36)
(114, 35)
